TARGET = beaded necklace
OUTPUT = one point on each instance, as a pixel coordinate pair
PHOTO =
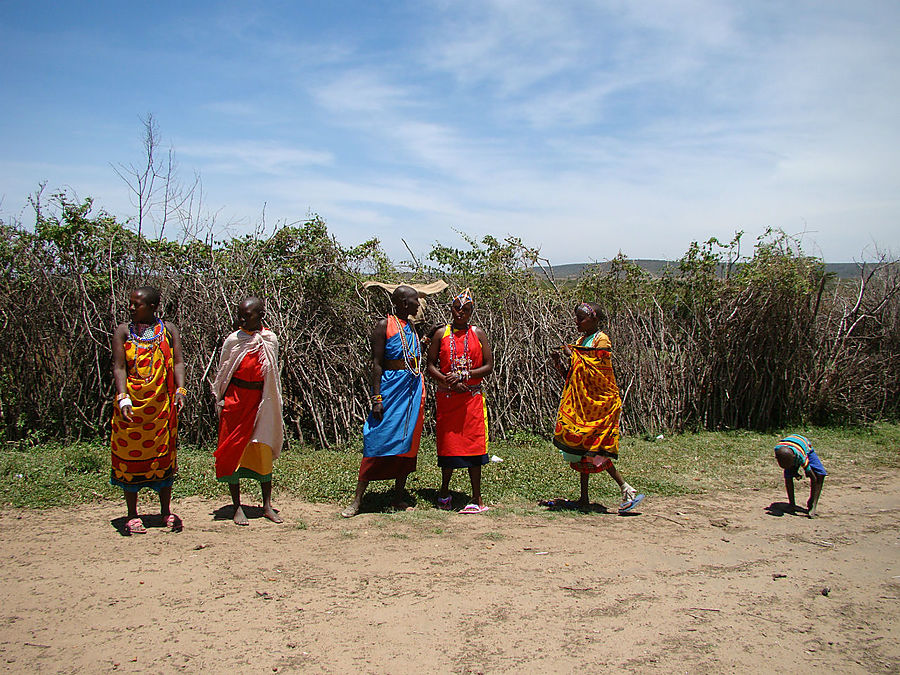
(411, 361)
(148, 339)
(459, 364)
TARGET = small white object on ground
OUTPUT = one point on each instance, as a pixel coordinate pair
(494, 458)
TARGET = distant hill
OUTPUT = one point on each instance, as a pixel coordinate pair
(656, 268)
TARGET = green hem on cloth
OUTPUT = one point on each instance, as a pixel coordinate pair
(245, 473)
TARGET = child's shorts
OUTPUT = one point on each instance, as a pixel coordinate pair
(815, 464)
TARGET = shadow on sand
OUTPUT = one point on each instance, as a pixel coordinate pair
(779, 509)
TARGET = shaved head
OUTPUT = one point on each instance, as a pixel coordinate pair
(253, 303)
(150, 294)
(785, 457)
(403, 292)
(406, 301)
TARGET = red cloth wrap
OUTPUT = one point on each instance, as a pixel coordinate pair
(238, 417)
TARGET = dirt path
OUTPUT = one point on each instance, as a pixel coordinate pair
(691, 584)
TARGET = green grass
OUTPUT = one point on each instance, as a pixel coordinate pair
(65, 474)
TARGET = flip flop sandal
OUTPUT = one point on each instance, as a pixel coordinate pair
(445, 503)
(135, 526)
(627, 506)
(473, 508)
(173, 522)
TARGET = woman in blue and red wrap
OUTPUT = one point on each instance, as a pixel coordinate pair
(392, 431)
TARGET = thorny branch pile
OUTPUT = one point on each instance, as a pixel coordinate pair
(718, 341)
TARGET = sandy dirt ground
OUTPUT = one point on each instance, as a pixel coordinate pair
(699, 584)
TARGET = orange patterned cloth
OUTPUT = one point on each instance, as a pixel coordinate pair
(588, 421)
(143, 450)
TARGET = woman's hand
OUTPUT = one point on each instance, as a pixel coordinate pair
(179, 401)
(378, 410)
(557, 360)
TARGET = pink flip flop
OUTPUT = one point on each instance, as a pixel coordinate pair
(473, 508)
(445, 503)
(173, 522)
(135, 526)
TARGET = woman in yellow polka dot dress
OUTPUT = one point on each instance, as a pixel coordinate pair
(587, 426)
(149, 376)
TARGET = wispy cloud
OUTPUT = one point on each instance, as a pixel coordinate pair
(361, 92)
(242, 157)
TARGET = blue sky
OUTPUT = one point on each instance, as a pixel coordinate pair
(585, 128)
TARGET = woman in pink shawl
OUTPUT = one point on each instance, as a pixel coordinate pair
(248, 394)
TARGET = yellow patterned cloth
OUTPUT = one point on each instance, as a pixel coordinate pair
(587, 424)
(143, 450)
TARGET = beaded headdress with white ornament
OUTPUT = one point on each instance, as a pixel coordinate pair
(465, 297)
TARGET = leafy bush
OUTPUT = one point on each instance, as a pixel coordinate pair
(720, 341)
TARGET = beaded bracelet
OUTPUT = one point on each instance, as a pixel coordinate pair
(377, 398)
(119, 397)
(182, 391)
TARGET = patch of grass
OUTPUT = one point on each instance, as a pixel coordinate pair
(65, 474)
(493, 536)
(54, 474)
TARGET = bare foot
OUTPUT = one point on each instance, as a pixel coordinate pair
(810, 510)
(350, 511)
(583, 505)
(239, 517)
(272, 515)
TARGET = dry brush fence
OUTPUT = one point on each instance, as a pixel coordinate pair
(772, 342)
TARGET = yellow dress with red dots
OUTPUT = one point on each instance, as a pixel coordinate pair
(144, 449)
(587, 425)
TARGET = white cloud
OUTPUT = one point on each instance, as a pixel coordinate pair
(269, 157)
(360, 93)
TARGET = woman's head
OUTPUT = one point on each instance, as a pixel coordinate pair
(462, 307)
(589, 317)
(406, 301)
(143, 303)
(250, 314)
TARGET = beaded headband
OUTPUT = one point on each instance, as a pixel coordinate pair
(465, 297)
(587, 308)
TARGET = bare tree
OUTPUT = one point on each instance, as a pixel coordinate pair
(157, 193)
